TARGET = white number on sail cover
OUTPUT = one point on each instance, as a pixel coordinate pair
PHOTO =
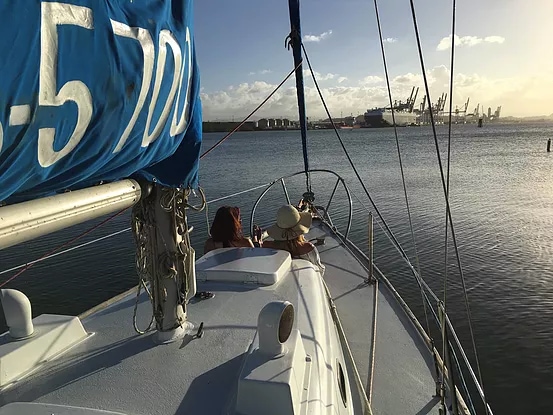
(148, 53)
(180, 126)
(52, 15)
(165, 38)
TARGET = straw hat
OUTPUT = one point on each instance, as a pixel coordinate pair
(289, 224)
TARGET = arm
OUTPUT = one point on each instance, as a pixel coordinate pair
(208, 246)
(269, 244)
(258, 235)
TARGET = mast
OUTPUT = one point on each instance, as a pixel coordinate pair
(295, 42)
(165, 258)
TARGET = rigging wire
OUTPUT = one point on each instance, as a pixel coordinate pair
(400, 160)
(218, 143)
(388, 230)
(432, 312)
(448, 210)
(65, 251)
(444, 299)
(53, 251)
(398, 248)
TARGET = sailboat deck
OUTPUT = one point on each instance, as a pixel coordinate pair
(120, 371)
(403, 380)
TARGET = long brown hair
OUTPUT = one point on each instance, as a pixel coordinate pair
(292, 245)
(227, 225)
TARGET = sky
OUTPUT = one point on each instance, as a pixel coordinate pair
(503, 55)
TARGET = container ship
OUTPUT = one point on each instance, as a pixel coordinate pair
(382, 117)
(403, 114)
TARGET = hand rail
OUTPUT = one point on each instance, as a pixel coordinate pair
(423, 333)
(362, 256)
(421, 282)
(344, 236)
(281, 180)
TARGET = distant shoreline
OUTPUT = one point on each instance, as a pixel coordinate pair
(225, 127)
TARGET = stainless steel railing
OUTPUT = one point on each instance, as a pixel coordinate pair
(454, 347)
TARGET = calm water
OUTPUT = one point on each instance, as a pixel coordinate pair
(502, 204)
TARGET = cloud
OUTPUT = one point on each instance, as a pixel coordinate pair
(494, 39)
(467, 41)
(319, 76)
(342, 79)
(261, 72)
(390, 40)
(520, 95)
(317, 38)
(371, 80)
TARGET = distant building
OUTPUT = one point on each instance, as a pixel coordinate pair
(263, 123)
(489, 112)
(286, 122)
(278, 122)
(349, 121)
(272, 123)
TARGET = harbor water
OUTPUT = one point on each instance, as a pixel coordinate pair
(501, 196)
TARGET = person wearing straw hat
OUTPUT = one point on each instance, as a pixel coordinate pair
(287, 234)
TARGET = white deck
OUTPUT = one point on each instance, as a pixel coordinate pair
(117, 370)
(404, 380)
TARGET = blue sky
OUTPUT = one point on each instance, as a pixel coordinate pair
(502, 58)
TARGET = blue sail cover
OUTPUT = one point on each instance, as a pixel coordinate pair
(96, 91)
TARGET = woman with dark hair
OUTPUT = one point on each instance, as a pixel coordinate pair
(226, 230)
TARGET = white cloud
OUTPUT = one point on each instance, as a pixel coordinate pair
(407, 79)
(261, 72)
(494, 39)
(319, 76)
(371, 80)
(342, 79)
(467, 41)
(390, 40)
(514, 93)
(317, 38)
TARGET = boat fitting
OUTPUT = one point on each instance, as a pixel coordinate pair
(17, 310)
(274, 325)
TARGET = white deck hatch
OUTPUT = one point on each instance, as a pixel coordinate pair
(261, 266)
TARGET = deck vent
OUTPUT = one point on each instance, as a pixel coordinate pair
(274, 326)
(30, 344)
(17, 309)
